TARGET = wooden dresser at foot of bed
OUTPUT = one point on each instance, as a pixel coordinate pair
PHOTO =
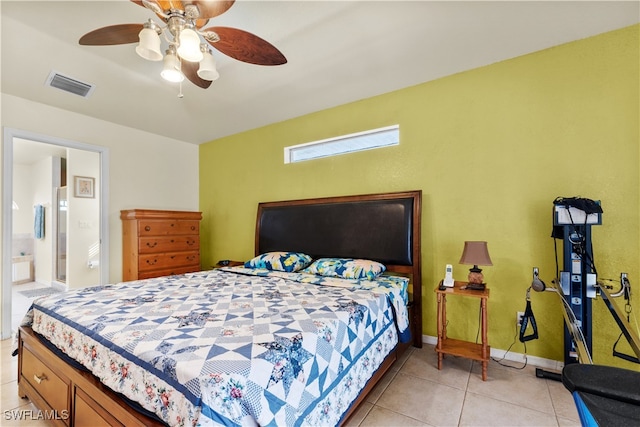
(159, 243)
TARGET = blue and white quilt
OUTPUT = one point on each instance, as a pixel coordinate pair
(231, 346)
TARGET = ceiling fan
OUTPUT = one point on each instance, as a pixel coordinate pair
(187, 56)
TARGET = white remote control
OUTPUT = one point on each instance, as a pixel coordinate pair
(448, 276)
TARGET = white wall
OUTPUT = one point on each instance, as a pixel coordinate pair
(83, 232)
(42, 173)
(22, 195)
(146, 170)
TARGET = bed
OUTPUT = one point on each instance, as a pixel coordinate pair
(297, 336)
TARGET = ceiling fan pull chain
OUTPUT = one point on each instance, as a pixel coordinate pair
(180, 95)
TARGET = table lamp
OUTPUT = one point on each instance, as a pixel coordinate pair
(475, 253)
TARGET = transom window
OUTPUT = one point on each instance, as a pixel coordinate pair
(367, 140)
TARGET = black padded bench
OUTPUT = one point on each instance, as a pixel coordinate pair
(604, 395)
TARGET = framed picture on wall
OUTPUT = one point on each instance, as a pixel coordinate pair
(83, 186)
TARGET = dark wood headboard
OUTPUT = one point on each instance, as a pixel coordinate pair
(383, 227)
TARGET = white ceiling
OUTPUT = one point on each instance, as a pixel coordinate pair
(337, 52)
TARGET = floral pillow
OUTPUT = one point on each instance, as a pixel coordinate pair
(280, 261)
(346, 268)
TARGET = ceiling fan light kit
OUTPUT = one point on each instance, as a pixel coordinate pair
(189, 46)
(171, 70)
(207, 70)
(184, 34)
(184, 42)
(149, 46)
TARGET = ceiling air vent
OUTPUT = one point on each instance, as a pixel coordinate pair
(69, 84)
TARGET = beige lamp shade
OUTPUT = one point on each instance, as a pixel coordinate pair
(475, 253)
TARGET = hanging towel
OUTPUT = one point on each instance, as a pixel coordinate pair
(38, 226)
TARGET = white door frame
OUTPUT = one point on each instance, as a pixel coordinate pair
(7, 213)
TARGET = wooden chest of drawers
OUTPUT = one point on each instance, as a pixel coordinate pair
(159, 243)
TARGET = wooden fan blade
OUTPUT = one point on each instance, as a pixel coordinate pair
(246, 47)
(190, 71)
(138, 2)
(154, 6)
(211, 8)
(159, 5)
(167, 5)
(199, 23)
(113, 34)
(207, 8)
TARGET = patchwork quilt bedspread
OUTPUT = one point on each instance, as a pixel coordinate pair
(231, 347)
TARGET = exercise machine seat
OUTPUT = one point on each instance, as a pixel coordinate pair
(604, 395)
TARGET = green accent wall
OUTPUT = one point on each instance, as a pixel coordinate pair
(490, 148)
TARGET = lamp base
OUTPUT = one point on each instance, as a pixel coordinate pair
(475, 276)
(475, 279)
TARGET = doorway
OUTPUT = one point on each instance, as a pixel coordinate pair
(75, 225)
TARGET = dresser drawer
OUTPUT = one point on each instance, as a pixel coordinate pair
(168, 260)
(88, 413)
(168, 271)
(150, 245)
(148, 227)
(53, 389)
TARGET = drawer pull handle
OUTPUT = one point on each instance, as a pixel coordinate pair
(193, 227)
(147, 228)
(152, 245)
(191, 242)
(152, 262)
(40, 378)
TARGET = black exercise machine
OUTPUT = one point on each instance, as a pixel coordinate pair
(604, 395)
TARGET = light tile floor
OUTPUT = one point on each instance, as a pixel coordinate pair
(414, 393)
(9, 400)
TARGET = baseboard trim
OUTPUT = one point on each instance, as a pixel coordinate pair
(554, 365)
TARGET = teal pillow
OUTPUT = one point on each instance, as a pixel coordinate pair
(280, 261)
(346, 268)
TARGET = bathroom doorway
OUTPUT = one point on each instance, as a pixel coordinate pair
(58, 225)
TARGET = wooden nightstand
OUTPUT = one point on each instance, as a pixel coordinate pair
(471, 350)
(229, 264)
